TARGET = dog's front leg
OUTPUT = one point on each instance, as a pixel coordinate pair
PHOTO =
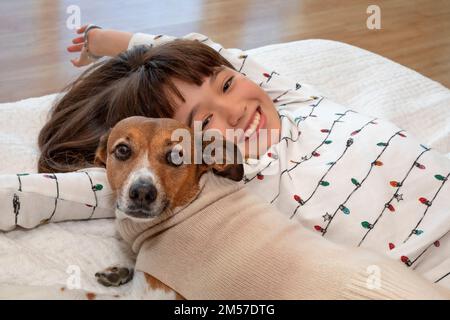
(143, 286)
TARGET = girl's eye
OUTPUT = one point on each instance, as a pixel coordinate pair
(122, 152)
(206, 122)
(227, 84)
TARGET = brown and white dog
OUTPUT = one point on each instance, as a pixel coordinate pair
(138, 154)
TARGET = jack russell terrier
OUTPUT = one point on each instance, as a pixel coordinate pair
(201, 234)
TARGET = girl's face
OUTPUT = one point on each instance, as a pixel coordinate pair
(229, 100)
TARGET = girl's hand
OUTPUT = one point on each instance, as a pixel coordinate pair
(78, 46)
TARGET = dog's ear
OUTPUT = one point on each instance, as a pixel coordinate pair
(100, 153)
(224, 158)
(231, 171)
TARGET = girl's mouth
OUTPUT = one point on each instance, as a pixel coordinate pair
(257, 122)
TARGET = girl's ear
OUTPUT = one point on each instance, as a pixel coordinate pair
(100, 153)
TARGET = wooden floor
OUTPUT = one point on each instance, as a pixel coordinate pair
(33, 33)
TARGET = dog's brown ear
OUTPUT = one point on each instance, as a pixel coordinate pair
(100, 153)
(231, 171)
(227, 163)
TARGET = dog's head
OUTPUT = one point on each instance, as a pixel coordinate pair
(156, 164)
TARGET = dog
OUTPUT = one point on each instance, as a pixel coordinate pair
(275, 257)
(134, 182)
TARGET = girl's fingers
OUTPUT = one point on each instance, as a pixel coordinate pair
(75, 47)
(77, 63)
(82, 60)
(74, 62)
(78, 40)
(78, 44)
(82, 28)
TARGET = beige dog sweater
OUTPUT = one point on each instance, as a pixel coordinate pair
(227, 244)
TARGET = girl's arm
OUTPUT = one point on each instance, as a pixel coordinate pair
(102, 42)
(107, 42)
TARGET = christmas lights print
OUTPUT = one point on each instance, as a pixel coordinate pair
(358, 185)
(20, 180)
(269, 76)
(277, 99)
(244, 59)
(436, 244)
(94, 189)
(322, 181)
(428, 204)
(311, 114)
(16, 199)
(290, 138)
(16, 207)
(313, 153)
(53, 177)
(397, 195)
(444, 276)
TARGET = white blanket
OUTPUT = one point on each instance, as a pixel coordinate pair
(52, 255)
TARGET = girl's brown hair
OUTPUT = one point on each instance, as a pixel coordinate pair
(136, 82)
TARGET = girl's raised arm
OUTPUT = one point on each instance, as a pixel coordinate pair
(102, 42)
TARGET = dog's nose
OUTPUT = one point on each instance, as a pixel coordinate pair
(143, 192)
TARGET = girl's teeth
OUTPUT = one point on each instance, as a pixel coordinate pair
(253, 125)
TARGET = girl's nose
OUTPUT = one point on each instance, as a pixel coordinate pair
(235, 116)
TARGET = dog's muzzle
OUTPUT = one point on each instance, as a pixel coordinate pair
(142, 194)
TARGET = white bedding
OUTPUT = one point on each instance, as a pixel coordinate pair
(351, 76)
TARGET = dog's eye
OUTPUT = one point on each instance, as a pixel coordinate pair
(175, 156)
(122, 152)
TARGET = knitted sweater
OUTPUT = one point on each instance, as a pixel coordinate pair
(227, 244)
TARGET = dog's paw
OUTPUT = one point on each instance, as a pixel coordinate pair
(114, 276)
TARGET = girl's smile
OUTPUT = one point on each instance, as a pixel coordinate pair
(257, 122)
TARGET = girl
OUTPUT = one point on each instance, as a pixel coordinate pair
(354, 179)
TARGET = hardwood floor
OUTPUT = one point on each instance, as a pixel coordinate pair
(33, 33)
